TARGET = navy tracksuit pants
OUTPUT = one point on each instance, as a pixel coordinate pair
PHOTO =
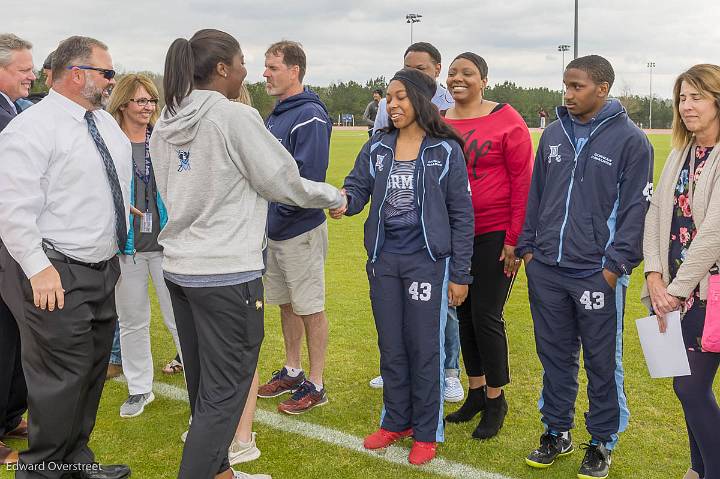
(409, 299)
(567, 313)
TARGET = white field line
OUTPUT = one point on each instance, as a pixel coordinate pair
(393, 454)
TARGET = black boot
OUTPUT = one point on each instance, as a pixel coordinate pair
(493, 418)
(474, 403)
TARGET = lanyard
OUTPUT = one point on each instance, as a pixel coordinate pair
(691, 182)
(148, 164)
(148, 191)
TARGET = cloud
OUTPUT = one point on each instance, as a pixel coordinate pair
(362, 40)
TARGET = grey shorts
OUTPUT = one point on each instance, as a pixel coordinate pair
(295, 272)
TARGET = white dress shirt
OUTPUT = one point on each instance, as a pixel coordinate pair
(53, 184)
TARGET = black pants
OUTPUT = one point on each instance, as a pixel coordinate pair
(64, 357)
(13, 392)
(483, 338)
(702, 414)
(220, 331)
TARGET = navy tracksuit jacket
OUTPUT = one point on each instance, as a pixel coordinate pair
(409, 291)
(586, 211)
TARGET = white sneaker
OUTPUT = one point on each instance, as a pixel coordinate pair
(239, 452)
(135, 404)
(376, 383)
(454, 391)
(245, 475)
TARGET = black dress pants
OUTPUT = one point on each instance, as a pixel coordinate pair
(221, 330)
(13, 393)
(64, 357)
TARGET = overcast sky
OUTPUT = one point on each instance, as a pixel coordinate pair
(364, 39)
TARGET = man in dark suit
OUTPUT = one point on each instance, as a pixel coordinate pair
(16, 76)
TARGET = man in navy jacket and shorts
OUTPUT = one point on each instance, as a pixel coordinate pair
(297, 237)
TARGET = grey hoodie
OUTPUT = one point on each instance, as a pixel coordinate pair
(216, 168)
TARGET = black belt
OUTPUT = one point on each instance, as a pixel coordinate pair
(57, 255)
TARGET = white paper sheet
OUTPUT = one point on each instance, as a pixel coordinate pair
(665, 353)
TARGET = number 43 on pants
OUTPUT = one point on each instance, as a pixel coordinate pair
(593, 299)
(420, 291)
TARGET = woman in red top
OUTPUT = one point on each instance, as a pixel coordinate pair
(499, 156)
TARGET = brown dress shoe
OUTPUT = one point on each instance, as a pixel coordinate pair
(20, 432)
(113, 371)
(7, 455)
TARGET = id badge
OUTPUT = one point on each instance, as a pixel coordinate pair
(146, 224)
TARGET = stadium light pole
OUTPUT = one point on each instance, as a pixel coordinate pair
(412, 18)
(563, 48)
(650, 66)
(575, 44)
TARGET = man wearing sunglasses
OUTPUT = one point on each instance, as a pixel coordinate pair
(63, 217)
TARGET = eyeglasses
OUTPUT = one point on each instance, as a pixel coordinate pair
(107, 74)
(143, 102)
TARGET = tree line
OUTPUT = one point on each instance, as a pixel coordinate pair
(352, 97)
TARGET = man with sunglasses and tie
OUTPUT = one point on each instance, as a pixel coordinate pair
(66, 171)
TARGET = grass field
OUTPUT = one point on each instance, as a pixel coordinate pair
(654, 446)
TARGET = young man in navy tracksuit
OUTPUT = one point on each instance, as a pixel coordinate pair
(581, 239)
(297, 237)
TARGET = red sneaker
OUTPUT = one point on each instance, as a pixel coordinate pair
(303, 399)
(279, 384)
(422, 452)
(383, 438)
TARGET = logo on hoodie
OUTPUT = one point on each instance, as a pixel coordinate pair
(554, 155)
(184, 157)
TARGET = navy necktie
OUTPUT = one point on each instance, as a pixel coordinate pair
(18, 108)
(120, 228)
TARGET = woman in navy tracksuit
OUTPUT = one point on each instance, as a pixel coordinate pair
(419, 239)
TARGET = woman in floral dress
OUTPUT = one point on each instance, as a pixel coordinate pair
(681, 247)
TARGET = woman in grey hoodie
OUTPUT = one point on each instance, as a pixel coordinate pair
(216, 169)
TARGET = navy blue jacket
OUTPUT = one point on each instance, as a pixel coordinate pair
(586, 208)
(442, 193)
(6, 113)
(302, 124)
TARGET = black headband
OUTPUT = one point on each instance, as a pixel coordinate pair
(476, 60)
(425, 89)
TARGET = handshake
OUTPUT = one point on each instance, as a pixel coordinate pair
(337, 213)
